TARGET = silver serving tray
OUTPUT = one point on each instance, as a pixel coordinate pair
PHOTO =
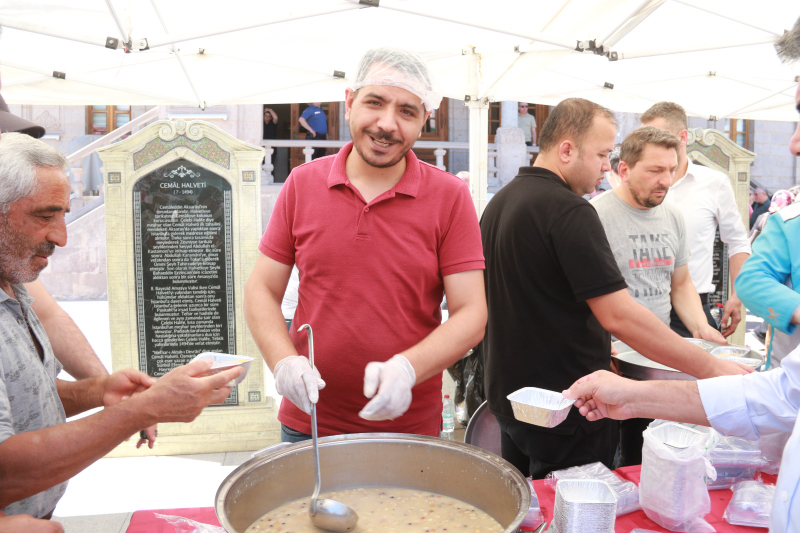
(634, 365)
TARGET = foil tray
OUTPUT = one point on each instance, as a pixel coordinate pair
(584, 506)
(539, 407)
(634, 365)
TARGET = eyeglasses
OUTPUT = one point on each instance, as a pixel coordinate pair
(523, 106)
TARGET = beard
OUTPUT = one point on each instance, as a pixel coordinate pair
(380, 136)
(649, 201)
(16, 254)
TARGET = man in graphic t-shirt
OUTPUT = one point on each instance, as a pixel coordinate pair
(648, 239)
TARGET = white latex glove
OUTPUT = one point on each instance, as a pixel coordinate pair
(393, 381)
(297, 381)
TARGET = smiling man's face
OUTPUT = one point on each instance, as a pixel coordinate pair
(385, 121)
(33, 227)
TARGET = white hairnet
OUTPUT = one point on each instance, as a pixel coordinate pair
(398, 68)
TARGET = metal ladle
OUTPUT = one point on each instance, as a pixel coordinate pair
(325, 514)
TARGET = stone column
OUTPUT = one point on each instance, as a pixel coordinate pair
(510, 141)
(508, 114)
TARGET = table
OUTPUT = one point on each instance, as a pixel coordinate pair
(147, 522)
(626, 523)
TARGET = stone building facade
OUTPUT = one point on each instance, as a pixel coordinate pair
(68, 128)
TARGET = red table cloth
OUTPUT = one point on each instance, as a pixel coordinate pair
(147, 522)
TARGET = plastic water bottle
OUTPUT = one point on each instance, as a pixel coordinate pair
(448, 418)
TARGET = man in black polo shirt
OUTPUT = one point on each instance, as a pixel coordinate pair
(553, 289)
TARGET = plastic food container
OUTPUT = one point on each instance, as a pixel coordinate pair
(224, 361)
(539, 407)
(584, 506)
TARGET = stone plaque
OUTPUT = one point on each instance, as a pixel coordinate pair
(183, 221)
(184, 267)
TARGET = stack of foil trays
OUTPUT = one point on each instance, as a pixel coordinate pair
(672, 489)
(539, 407)
(627, 492)
(584, 506)
(735, 459)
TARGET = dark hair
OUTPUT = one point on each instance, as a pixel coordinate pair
(571, 119)
(674, 114)
(634, 144)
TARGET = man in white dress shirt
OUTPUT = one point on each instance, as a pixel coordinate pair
(705, 198)
(745, 406)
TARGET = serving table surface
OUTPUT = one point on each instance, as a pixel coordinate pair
(147, 522)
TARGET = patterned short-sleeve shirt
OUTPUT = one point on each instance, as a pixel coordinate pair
(28, 396)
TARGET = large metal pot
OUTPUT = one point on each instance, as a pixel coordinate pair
(285, 472)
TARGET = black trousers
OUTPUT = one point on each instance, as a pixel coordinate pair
(318, 150)
(536, 453)
(678, 327)
(631, 441)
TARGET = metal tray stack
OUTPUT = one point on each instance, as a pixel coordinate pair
(584, 506)
(635, 365)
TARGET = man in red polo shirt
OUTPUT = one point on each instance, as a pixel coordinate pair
(378, 237)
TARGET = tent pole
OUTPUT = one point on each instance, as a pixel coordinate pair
(479, 152)
(625, 29)
(629, 17)
(775, 93)
(200, 102)
(729, 17)
(40, 30)
(569, 44)
(654, 53)
(125, 37)
(164, 40)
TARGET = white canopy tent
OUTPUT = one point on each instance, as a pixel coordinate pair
(715, 57)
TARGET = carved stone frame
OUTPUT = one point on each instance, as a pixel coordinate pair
(242, 427)
(716, 150)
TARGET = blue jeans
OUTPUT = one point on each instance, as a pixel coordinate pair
(292, 435)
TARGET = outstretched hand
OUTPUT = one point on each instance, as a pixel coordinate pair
(603, 395)
(181, 394)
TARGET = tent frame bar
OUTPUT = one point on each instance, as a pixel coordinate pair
(148, 43)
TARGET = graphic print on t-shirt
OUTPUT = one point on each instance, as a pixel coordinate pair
(651, 265)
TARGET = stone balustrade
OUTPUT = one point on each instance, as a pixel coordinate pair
(439, 148)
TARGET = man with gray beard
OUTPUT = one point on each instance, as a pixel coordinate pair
(39, 452)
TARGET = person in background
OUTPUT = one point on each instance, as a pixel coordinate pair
(705, 198)
(270, 124)
(527, 122)
(555, 292)
(760, 205)
(743, 406)
(315, 122)
(379, 238)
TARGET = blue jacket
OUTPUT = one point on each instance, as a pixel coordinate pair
(776, 258)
